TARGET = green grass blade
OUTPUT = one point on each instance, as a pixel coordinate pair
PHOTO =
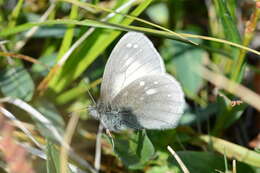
(232, 150)
(66, 42)
(98, 24)
(15, 13)
(90, 50)
(228, 23)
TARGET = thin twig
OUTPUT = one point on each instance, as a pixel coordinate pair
(19, 45)
(98, 148)
(23, 57)
(9, 59)
(175, 155)
(67, 139)
(234, 170)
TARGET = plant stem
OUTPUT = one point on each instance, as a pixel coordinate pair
(248, 35)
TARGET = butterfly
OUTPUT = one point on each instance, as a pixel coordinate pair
(136, 91)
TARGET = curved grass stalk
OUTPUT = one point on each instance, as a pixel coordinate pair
(88, 5)
(100, 24)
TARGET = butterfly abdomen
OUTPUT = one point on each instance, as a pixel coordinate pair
(119, 119)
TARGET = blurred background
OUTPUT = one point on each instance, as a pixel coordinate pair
(53, 52)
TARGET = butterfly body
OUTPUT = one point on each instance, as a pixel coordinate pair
(115, 118)
(136, 92)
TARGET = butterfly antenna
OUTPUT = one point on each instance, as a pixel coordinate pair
(92, 99)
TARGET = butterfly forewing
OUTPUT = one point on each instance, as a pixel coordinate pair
(156, 101)
(133, 57)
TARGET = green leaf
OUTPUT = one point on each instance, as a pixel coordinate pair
(160, 169)
(184, 61)
(165, 136)
(202, 162)
(242, 167)
(227, 114)
(201, 114)
(136, 151)
(16, 82)
(40, 70)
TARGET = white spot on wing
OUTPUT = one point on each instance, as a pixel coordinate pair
(129, 45)
(135, 46)
(128, 61)
(169, 95)
(142, 83)
(155, 82)
(151, 91)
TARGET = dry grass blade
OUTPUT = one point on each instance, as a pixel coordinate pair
(33, 112)
(183, 167)
(221, 81)
(67, 139)
(24, 57)
(20, 125)
(20, 44)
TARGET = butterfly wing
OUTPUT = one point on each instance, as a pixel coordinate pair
(155, 101)
(133, 57)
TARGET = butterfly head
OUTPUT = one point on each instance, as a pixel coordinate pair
(93, 111)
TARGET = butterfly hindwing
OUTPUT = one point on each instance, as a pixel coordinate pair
(155, 101)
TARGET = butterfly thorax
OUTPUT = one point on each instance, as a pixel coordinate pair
(114, 118)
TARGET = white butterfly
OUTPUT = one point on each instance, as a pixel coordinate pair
(136, 91)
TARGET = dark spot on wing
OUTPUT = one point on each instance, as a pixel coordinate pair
(129, 119)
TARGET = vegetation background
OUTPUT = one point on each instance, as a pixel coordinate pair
(53, 52)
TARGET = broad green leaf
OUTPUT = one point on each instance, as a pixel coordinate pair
(135, 151)
(242, 167)
(40, 70)
(201, 162)
(165, 136)
(184, 61)
(16, 82)
(198, 162)
(227, 114)
(199, 115)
